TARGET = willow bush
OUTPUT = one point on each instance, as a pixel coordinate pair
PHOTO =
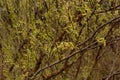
(59, 39)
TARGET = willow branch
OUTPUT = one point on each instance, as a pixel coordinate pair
(78, 51)
(111, 9)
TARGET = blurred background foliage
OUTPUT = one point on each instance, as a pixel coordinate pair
(37, 33)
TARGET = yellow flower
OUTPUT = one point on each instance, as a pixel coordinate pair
(102, 41)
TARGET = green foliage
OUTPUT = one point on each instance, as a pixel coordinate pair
(38, 33)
